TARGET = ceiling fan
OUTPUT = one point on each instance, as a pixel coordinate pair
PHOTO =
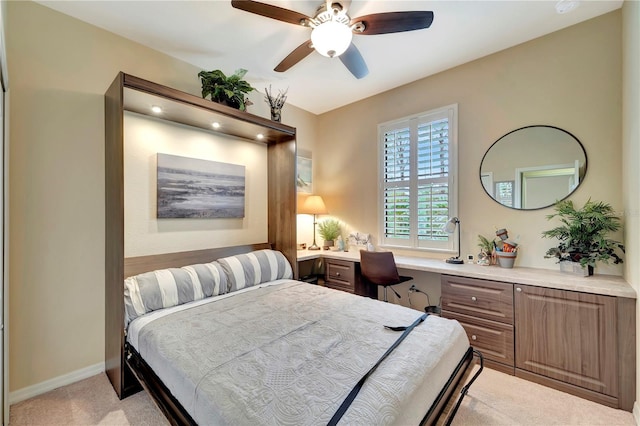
(333, 29)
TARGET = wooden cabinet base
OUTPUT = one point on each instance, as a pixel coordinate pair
(503, 368)
(571, 389)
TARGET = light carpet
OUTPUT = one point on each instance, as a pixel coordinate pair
(494, 399)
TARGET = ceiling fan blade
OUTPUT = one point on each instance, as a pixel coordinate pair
(270, 11)
(394, 22)
(353, 60)
(298, 54)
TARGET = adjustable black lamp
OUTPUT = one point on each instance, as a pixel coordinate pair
(450, 228)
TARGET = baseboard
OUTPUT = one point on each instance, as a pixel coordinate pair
(56, 382)
(636, 412)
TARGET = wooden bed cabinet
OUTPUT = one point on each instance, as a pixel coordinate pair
(129, 93)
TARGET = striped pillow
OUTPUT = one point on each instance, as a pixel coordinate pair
(170, 287)
(246, 270)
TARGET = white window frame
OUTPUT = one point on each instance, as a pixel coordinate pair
(450, 245)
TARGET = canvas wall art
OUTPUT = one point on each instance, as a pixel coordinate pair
(304, 175)
(194, 188)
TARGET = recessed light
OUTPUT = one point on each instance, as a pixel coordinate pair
(566, 6)
(156, 109)
(260, 136)
(215, 125)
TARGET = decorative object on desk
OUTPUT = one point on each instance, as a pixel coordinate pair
(329, 230)
(505, 250)
(583, 234)
(506, 259)
(225, 90)
(202, 189)
(275, 103)
(304, 167)
(340, 243)
(450, 228)
(502, 234)
(484, 259)
(313, 205)
(302, 246)
(359, 239)
(487, 249)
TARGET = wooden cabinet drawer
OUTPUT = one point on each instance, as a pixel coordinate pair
(340, 274)
(490, 300)
(493, 339)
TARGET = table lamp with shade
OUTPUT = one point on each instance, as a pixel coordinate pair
(313, 205)
(450, 228)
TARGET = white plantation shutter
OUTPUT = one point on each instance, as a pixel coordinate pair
(417, 185)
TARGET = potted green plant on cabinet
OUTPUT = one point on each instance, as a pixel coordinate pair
(225, 90)
(329, 230)
(582, 235)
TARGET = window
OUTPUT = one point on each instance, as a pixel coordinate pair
(417, 179)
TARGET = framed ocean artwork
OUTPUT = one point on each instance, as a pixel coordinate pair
(195, 188)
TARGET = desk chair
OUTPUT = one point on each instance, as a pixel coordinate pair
(380, 268)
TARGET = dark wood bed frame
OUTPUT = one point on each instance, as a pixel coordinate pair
(124, 368)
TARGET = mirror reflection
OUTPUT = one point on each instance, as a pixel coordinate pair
(533, 167)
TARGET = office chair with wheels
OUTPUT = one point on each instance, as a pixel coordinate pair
(380, 268)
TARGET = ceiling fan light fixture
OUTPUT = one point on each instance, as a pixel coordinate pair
(331, 38)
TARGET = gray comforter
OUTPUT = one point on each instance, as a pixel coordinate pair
(288, 354)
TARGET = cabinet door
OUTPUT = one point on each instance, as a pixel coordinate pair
(568, 336)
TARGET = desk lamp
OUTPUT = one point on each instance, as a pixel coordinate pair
(313, 205)
(450, 228)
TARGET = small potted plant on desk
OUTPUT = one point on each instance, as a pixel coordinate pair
(583, 236)
(329, 230)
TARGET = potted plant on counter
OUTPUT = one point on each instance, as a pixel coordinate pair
(582, 236)
(329, 230)
(225, 90)
(486, 256)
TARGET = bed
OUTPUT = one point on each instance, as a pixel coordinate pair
(237, 341)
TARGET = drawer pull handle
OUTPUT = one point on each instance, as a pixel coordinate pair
(518, 289)
(473, 298)
(473, 337)
(337, 274)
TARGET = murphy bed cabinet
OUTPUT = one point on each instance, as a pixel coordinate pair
(133, 94)
(576, 342)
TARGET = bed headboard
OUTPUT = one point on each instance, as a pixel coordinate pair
(138, 265)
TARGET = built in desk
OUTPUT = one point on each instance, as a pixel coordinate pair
(575, 334)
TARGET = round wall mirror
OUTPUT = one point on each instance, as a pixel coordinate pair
(533, 167)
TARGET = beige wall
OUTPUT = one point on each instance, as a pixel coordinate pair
(59, 69)
(569, 79)
(631, 157)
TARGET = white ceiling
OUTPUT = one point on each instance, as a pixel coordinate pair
(213, 35)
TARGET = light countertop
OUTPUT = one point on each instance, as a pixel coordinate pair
(608, 285)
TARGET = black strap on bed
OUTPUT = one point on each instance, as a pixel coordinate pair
(352, 395)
